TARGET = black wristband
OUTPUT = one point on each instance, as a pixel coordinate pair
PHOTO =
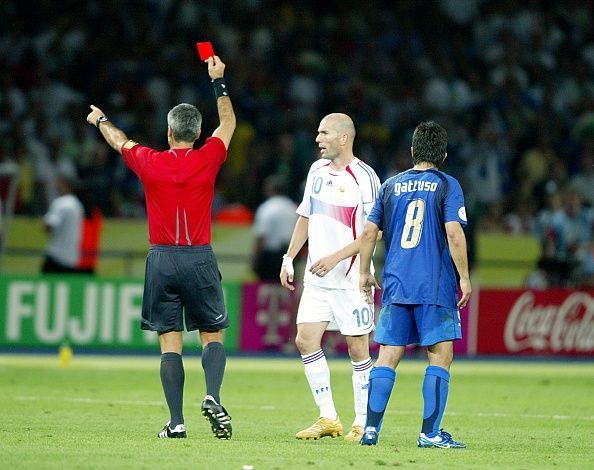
(220, 87)
(100, 119)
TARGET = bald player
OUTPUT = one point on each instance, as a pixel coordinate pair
(339, 194)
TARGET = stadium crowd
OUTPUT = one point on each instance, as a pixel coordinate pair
(512, 82)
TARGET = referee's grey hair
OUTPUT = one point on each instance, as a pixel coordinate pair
(185, 121)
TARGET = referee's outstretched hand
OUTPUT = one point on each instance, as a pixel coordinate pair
(216, 67)
(94, 115)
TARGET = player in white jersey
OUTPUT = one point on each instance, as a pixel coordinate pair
(339, 194)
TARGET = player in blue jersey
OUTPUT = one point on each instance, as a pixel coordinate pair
(421, 213)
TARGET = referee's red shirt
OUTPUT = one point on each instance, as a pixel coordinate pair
(179, 188)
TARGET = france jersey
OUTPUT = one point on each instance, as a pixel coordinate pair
(337, 204)
(411, 210)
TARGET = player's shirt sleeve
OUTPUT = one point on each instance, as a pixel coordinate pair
(53, 217)
(215, 148)
(136, 157)
(454, 209)
(370, 193)
(304, 208)
(377, 212)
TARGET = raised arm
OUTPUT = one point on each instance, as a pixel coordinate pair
(113, 136)
(227, 122)
(457, 244)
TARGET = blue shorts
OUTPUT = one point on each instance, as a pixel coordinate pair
(178, 280)
(401, 324)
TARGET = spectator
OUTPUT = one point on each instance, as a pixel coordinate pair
(553, 263)
(534, 165)
(578, 229)
(525, 68)
(488, 162)
(63, 222)
(583, 181)
(520, 220)
(565, 228)
(555, 179)
(97, 179)
(273, 227)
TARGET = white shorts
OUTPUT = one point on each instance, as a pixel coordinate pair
(344, 309)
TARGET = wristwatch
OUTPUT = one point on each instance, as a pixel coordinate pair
(100, 119)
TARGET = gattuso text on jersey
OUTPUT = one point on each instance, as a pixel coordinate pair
(414, 185)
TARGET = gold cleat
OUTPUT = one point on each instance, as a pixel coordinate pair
(355, 434)
(321, 428)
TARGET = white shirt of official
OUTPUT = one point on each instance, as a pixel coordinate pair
(65, 217)
(274, 222)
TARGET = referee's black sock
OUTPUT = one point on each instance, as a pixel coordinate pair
(213, 363)
(172, 379)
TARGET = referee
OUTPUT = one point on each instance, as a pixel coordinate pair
(181, 268)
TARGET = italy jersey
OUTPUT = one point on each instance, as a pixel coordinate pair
(337, 204)
(412, 210)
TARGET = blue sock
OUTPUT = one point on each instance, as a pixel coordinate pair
(435, 396)
(381, 382)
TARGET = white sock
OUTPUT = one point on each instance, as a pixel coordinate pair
(318, 377)
(361, 372)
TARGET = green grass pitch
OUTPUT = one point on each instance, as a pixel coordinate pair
(104, 412)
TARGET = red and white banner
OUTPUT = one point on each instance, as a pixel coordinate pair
(524, 322)
(500, 322)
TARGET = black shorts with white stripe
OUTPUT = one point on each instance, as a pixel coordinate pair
(182, 285)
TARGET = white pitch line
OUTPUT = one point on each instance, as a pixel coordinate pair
(92, 400)
(502, 415)
(273, 408)
(122, 402)
(538, 416)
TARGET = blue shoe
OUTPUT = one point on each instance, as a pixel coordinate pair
(443, 440)
(369, 438)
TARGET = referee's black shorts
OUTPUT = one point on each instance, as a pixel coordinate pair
(178, 279)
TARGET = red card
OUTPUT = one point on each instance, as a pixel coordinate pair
(205, 50)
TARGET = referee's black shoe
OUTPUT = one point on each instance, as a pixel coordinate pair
(178, 432)
(220, 421)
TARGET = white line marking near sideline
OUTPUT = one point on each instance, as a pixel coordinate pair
(121, 402)
(272, 408)
(511, 415)
(92, 400)
(502, 415)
